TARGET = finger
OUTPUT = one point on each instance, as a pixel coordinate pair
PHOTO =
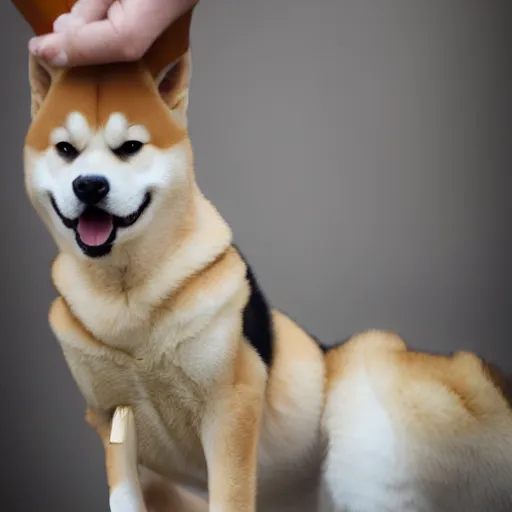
(91, 10)
(84, 11)
(94, 43)
(67, 22)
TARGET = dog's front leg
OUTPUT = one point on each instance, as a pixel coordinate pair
(230, 436)
(120, 443)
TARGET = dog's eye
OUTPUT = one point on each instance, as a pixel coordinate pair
(66, 150)
(129, 148)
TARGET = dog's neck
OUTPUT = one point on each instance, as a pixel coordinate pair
(200, 237)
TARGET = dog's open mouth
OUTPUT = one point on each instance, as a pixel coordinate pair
(96, 229)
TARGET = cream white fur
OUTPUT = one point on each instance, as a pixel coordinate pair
(118, 130)
(123, 498)
(375, 463)
(151, 170)
(366, 467)
(78, 129)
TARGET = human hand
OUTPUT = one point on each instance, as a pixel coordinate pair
(102, 31)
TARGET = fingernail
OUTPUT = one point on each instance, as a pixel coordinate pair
(34, 46)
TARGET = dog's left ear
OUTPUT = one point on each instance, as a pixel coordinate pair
(169, 63)
(173, 86)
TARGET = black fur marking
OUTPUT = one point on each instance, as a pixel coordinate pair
(258, 326)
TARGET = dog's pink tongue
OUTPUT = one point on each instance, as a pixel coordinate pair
(94, 230)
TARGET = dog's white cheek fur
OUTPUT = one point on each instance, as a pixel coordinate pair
(44, 176)
(51, 175)
(153, 170)
(163, 173)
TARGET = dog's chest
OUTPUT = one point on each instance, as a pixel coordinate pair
(167, 406)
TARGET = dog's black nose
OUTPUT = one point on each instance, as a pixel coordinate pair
(91, 189)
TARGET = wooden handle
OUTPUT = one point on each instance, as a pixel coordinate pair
(40, 14)
(121, 464)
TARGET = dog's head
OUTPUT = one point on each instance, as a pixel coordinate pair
(108, 161)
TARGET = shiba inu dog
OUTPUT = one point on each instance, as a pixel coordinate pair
(159, 312)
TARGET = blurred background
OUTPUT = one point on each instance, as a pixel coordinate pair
(360, 151)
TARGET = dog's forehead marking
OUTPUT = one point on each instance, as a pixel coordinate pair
(99, 97)
(115, 129)
(140, 133)
(78, 127)
(75, 130)
(118, 130)
(59, 134)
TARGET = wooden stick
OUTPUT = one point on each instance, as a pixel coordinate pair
(121, 464)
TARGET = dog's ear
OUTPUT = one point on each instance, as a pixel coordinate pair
(169, 63)
(41, 77)
(40, 15)
(173, 86)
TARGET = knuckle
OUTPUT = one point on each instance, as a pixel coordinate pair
(130, 47)
(131, 52)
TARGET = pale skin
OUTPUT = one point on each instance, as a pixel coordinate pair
(104, 31)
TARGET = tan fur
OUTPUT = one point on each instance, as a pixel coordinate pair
(157, 325)
(102, 92)
(461, 389)
(439, 425)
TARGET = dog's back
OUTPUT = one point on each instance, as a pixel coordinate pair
(413, 431)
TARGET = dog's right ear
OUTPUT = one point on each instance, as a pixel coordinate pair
(41, 77)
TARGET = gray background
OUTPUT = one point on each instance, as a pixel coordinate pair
(358, 149)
